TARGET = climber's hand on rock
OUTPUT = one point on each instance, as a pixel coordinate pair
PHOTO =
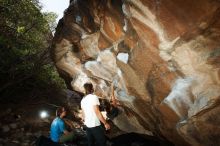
(107, 126)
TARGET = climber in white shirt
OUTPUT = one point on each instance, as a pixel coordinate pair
(93, 117)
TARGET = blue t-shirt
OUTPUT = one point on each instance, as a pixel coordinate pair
(56, 129)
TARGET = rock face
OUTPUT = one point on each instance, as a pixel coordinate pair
(161, 56)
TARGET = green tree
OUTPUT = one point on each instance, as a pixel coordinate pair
(25, 37)
(51, 18)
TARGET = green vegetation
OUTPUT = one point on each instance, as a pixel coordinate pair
(25, 37)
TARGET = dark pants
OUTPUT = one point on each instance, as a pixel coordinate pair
(96, 135)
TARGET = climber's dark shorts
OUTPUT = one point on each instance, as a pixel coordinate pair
(96, 135)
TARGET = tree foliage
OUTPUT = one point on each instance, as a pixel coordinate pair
(25, 36)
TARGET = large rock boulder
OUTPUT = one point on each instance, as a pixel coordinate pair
(161, 57)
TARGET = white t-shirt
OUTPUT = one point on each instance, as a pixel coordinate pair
(87, 104)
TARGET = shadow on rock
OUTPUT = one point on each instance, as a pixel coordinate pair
(135, 139)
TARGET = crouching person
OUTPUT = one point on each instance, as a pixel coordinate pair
(58, 132)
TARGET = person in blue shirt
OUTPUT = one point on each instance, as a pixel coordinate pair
(58, 132)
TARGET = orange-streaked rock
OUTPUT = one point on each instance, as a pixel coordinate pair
(160, 56)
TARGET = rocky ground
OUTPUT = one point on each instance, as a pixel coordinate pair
(21, 124)
(18, 131)
(23, 129)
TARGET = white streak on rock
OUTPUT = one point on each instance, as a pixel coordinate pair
(123, 57)
(181, 97)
